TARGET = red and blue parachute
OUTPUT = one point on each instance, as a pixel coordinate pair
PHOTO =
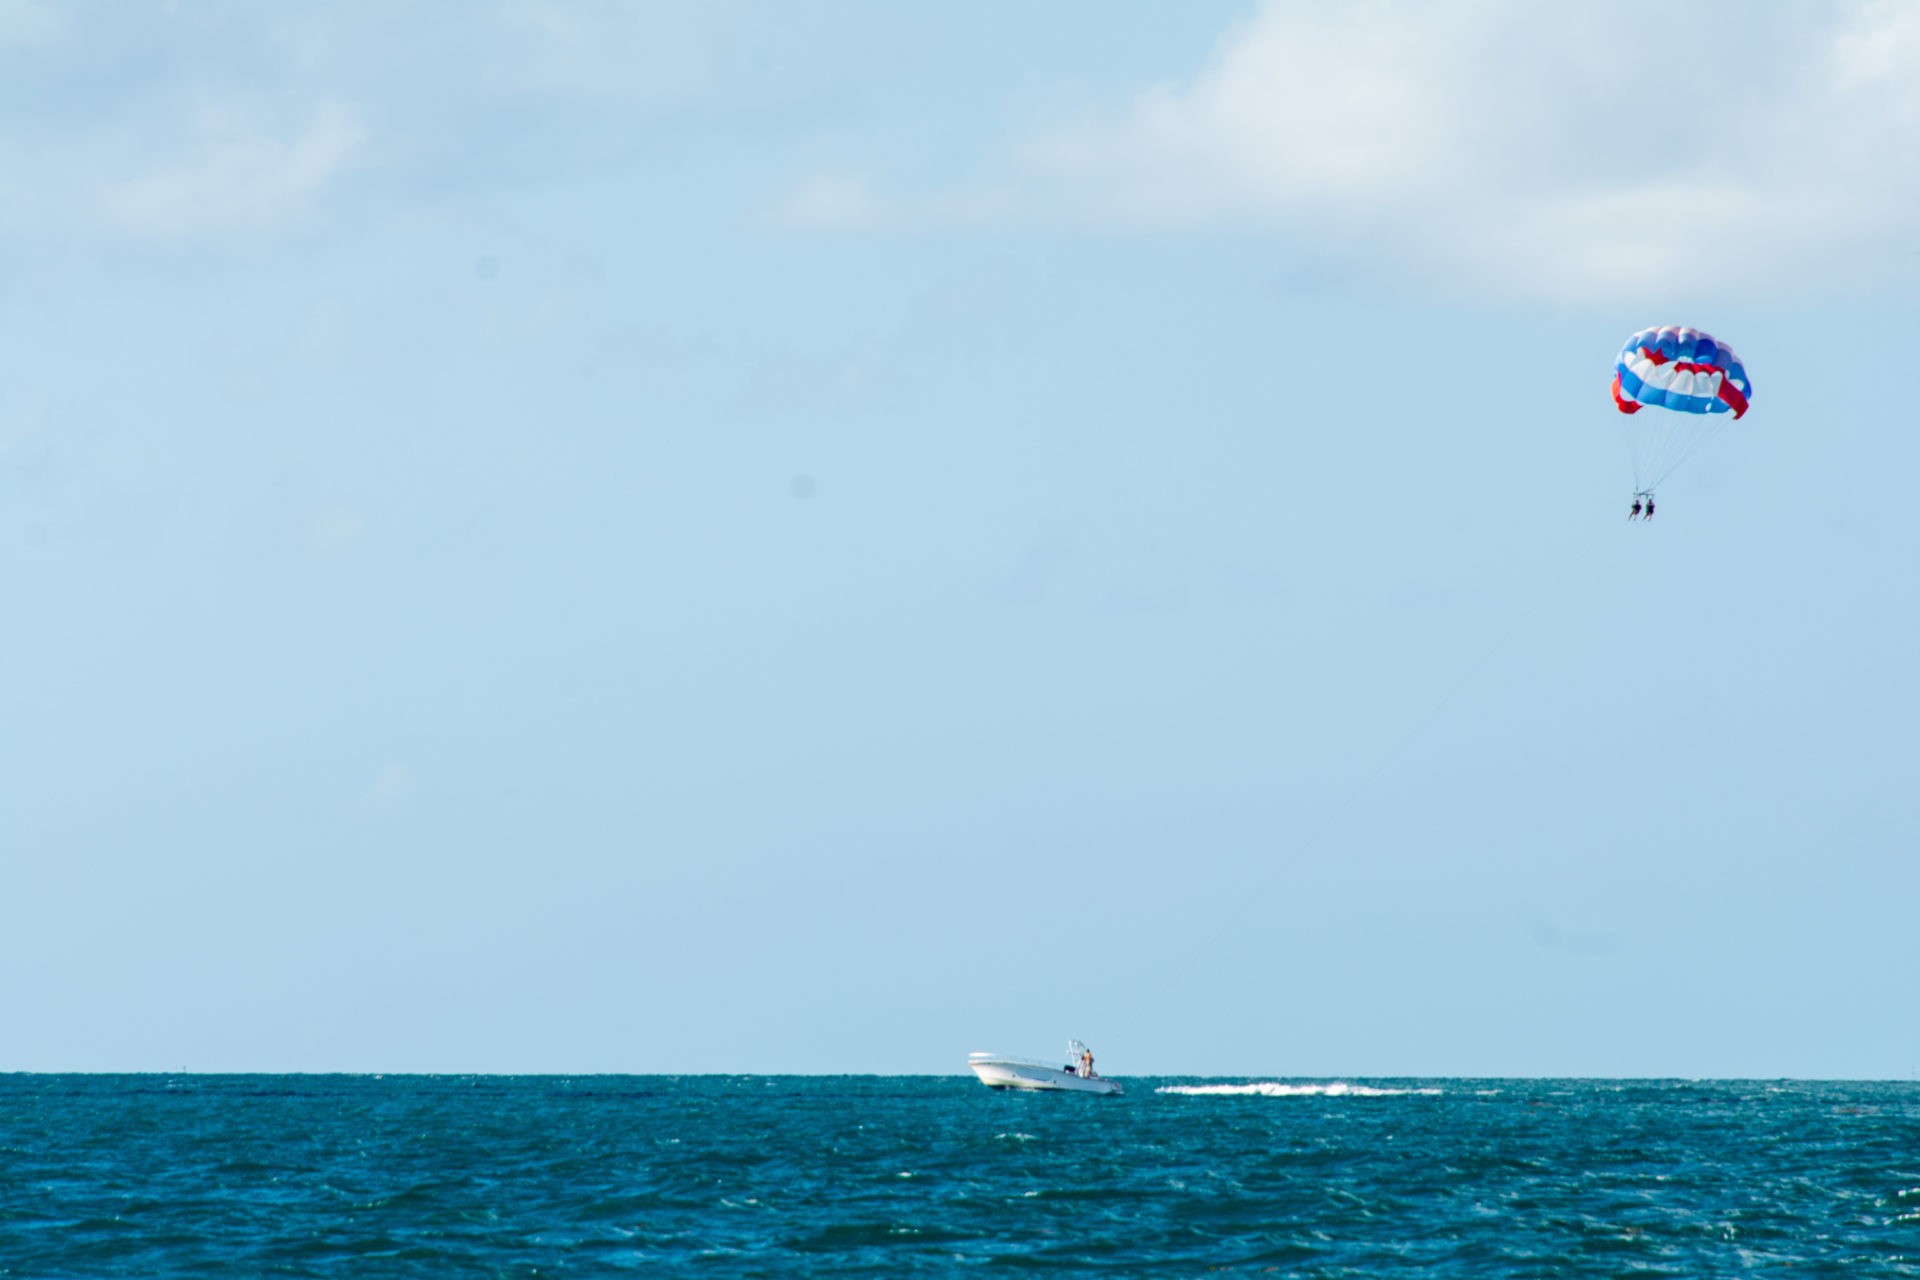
(1684, 370)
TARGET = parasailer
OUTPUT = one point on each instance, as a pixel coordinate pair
(1698, 378)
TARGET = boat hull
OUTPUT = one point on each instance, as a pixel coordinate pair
(1015, 1073)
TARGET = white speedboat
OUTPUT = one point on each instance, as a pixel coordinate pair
(998, 1072)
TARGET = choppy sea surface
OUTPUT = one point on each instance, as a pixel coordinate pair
(935, 1176)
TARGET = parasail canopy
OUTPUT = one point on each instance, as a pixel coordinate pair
(1684, 370)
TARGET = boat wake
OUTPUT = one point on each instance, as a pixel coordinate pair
(1274, 1089)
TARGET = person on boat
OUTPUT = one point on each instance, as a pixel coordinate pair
(1634, 512)
(1086, 1064)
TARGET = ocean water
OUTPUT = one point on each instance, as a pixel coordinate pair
(935, 1176)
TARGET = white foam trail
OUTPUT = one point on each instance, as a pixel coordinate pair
(1274, 1089)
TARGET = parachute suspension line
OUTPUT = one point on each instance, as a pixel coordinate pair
(1698, 433)
(1657, 451)
(1660, 448)
(1657, 439)
(1638, 446)
(1669, 438)
(1694, 442)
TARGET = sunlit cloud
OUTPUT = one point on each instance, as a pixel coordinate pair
(1496, 147)
(231, 174)
(836, 202)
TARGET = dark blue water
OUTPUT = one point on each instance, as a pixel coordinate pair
(785, 1176)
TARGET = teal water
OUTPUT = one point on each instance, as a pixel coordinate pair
(932, 1176)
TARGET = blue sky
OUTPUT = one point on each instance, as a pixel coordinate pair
(656, 538)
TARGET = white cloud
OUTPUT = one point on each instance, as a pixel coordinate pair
(836, 202)
(1305, 104)
(1880, 43)
(851, 202)
(392, 789)
(234, 174)
(1560, 151)
(223, 122)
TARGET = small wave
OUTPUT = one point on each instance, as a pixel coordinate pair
(1274, 1089)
